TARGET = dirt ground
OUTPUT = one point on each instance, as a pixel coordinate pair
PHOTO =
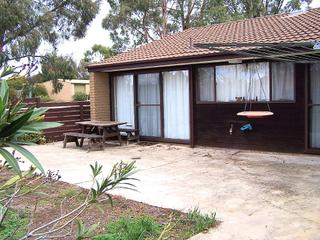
(256, 195)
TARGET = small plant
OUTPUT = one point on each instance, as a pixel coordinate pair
(80, 96)
(127, 228)
(83, 231)
(201, 222)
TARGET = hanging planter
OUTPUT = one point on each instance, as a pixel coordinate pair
(255, 114)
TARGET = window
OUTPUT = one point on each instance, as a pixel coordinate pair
(242, 81)
(123, 99)
(206, 88)
(282, 81)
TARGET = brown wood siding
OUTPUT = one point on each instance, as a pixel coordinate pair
(285, 131)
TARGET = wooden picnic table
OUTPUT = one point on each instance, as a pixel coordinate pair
(107, 129)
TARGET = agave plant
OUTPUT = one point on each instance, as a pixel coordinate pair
(16, 119)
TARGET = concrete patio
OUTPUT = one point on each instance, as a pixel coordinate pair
(256, 195)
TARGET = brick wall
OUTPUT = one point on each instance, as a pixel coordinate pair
(100, 96)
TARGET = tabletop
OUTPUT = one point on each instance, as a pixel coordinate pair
(100, 123)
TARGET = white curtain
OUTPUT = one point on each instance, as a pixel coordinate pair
(250, 81)
(123, 99)
(282, 81)
(315, 110)
(206, 88)
(176, 104)
(149, 93)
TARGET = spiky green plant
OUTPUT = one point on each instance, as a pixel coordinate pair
(16, 120)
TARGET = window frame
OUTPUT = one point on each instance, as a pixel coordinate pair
(198, 101)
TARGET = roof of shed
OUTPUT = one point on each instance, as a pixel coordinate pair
(280, 28)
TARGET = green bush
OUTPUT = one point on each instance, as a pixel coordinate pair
(127, 228)
(39, 91)
(80, 96)
(37, 138)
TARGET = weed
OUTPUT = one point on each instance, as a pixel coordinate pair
(200, 222)
(127, 228)
(14, 226)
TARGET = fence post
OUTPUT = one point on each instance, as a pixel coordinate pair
(81, 111)
(38, 100)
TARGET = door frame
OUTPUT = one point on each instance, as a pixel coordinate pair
(308, 106)
(135, 73)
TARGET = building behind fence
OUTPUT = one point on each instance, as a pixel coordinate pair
(67, 113)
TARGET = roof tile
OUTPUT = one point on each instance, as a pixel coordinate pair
(277, 28)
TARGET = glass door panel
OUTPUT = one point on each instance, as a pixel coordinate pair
(314, 106)
(176, 105)
(148, 103)
(123, 100)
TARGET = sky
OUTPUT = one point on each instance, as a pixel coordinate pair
(97, 35)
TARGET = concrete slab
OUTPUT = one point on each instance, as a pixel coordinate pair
(256, 195)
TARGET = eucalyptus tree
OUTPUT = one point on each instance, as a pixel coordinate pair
(135, 22)
(26, 24)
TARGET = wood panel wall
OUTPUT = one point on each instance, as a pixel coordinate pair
(67, 113)
(285, 131)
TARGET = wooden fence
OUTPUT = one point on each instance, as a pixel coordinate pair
(67, 113)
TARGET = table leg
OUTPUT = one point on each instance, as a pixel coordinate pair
(83, 129)
(119, 135)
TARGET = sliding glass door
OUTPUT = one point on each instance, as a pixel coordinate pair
(159, 100)
(176, 105)
(314, 106)
(124, 100)
(149, 104)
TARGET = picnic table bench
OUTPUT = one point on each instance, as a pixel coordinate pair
(131, 134)
(75, 136)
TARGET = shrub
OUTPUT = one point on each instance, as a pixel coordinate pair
(37, 138)
(80, 96)
(39, 91)
(127, 228)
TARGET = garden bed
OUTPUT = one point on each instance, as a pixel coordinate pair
(135, 220)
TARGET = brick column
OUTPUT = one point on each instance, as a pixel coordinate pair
(100, 96)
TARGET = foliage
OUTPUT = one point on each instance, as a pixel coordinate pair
(97, 53)
(54, 67)
(83, 231)
(36, 138)
(80, 96)
(15, 122)
(132, 23)
(119, 177)
(201, 222)
(14, 226)
(25, 24)
(127, 228)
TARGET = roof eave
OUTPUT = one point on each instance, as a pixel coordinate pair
(158, 63)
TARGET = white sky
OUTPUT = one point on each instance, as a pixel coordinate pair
(97, 35)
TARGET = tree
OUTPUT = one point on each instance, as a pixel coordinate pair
(25, 24)
(54, 67)
(132, 23)
(96, 53)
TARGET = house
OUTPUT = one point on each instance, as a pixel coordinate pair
(188, 87)
(70, 87)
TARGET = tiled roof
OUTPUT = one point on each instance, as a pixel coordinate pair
(299, 27)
